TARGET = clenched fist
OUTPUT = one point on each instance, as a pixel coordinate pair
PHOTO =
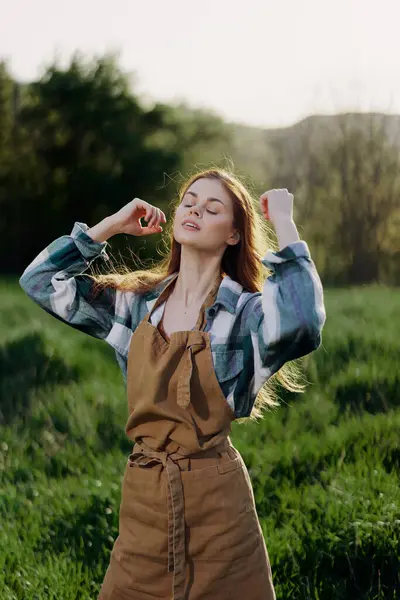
(277, 205)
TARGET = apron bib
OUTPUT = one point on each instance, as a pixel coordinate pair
(188, 526)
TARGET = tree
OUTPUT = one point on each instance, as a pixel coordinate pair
(81, 145)
(87, 140)
(345, 173)
(367, 168)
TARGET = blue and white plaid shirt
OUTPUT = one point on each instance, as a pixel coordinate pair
(251, 334)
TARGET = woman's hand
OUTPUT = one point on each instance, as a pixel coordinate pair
(127, 219)
(277, 205)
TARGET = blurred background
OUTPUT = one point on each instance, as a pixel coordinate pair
(102, 103)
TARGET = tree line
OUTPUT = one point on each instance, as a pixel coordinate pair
(77, 144)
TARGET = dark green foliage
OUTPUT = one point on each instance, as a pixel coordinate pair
(77, 145)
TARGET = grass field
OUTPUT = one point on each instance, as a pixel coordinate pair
(324, 467)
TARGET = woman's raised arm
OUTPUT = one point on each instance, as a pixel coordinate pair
(55, 280)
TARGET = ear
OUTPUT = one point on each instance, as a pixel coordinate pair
(234, 238)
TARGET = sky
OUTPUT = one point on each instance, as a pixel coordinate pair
(260, 62)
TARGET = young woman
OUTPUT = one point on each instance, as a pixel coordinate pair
(196, 340)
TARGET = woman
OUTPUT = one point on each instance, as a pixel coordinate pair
(196, 341)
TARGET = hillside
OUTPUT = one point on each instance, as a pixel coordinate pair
(253, 147)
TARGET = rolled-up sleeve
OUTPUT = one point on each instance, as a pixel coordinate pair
(287, 318)
(55, 280)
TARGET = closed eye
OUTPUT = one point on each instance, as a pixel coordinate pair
(209, 211)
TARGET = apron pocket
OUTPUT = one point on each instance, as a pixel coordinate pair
(221, 519)
(230, 461)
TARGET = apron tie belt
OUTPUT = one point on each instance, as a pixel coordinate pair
(142, 455)
(176, 520)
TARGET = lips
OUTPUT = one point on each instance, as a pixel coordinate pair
(189, 221)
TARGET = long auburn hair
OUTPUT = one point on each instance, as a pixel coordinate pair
(242, 262)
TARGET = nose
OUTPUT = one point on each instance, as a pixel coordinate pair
(194, 209)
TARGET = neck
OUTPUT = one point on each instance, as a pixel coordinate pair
(195, 281)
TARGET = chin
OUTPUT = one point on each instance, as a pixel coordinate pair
(184, 241)
(183, 237)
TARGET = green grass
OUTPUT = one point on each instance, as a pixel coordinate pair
(324, 467)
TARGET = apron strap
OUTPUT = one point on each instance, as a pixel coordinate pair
(183, 388)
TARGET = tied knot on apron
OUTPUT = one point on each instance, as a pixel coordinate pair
(143, 456)
(195, 343)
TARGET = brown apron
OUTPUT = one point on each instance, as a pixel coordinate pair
(188, 526)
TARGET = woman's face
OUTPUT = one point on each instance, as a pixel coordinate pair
(210, 206)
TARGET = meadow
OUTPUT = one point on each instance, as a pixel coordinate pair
(324, 466)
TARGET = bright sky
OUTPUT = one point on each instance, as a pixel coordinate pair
(260, 62)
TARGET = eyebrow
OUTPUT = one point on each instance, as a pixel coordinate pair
(210, 199)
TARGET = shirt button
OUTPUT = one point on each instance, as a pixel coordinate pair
(211, 312)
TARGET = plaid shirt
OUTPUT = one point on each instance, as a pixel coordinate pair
(251, 334)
